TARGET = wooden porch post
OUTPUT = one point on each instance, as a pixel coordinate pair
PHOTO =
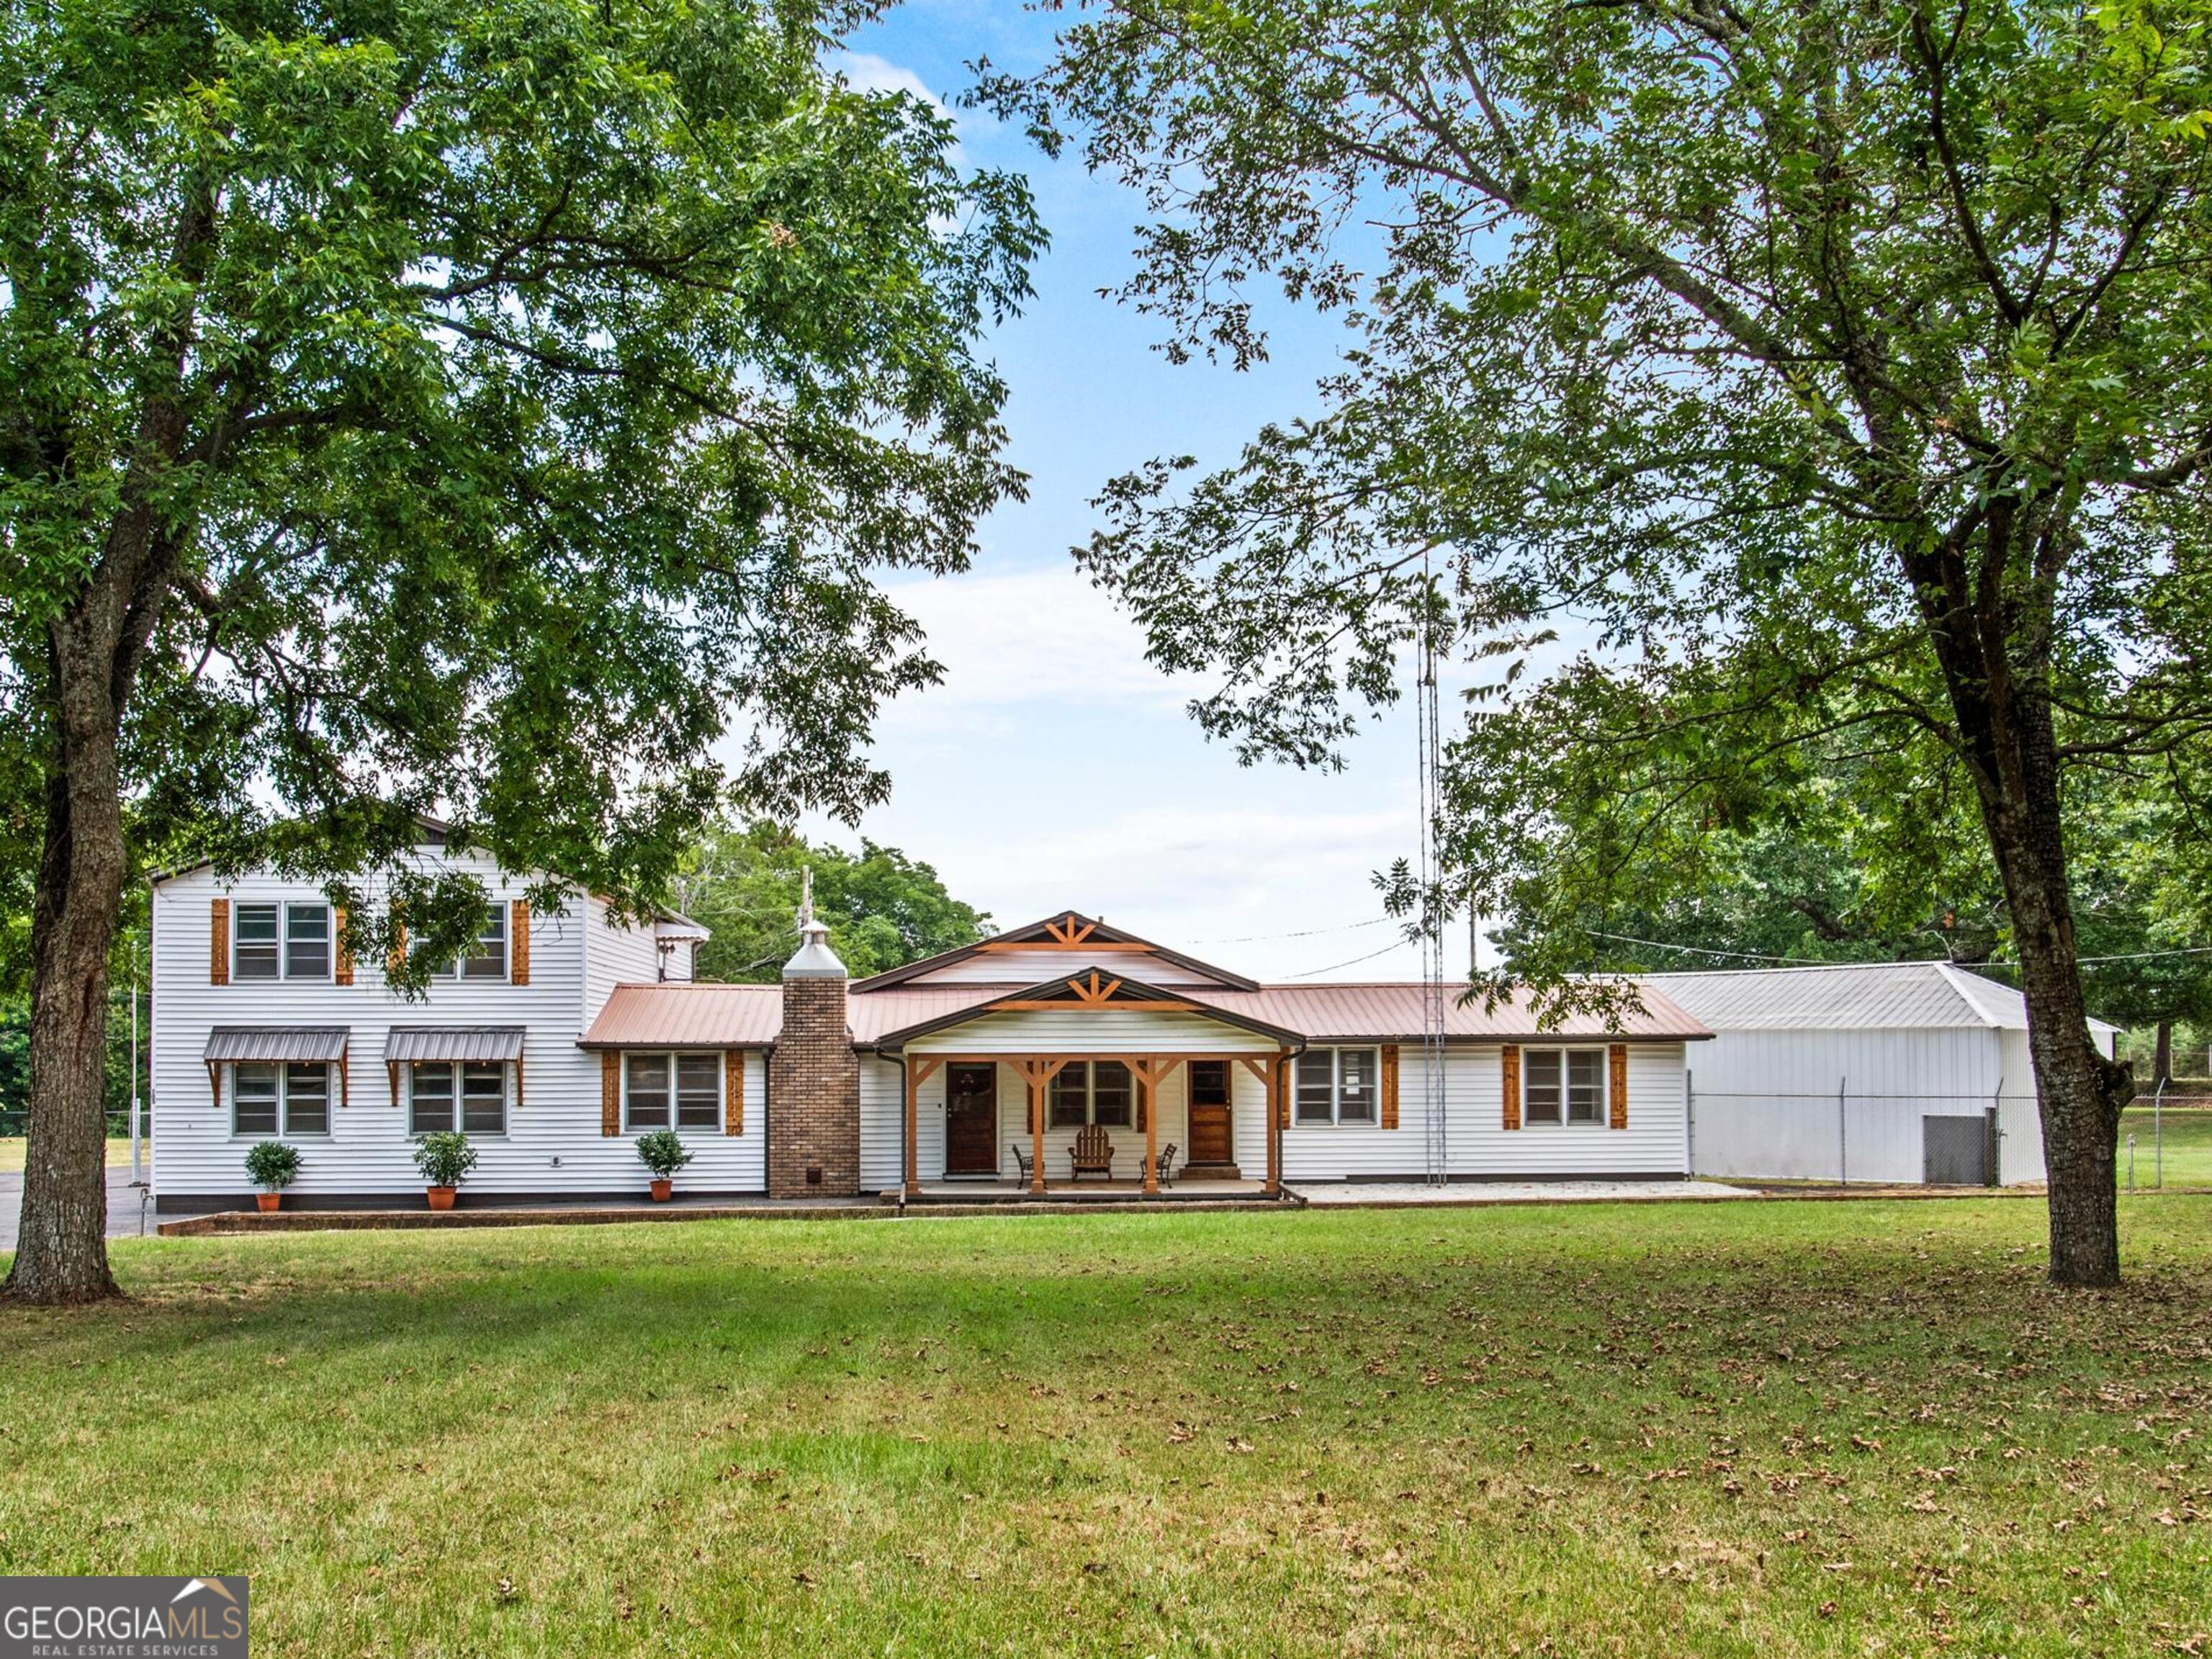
(913, 1081)
(1037, 1082)
(1275, 1128)
(1148, 1080)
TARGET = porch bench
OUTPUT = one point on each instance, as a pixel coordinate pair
(1093, 1152)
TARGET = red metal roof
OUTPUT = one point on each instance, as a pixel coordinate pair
(685, 1015)
(750, 1016)
(1393, 1013)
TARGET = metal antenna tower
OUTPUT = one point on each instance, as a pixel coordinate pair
(1433, 909)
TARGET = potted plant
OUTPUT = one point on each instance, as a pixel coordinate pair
(272, 1166)
(664, 1152)
(445, 1159)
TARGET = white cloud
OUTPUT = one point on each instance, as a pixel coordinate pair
(1027, 637)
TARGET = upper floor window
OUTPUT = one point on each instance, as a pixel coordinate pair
(268, 1099)
(1563, 1086)
(1091, 1091)
(1335, 1085)
(280, 941)
(686, 1089)
(489, 959)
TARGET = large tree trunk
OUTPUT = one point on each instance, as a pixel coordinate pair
(1993, 641)
(61, 1253)
(2079, 1092)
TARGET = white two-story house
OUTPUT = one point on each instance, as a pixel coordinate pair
(565, 1034)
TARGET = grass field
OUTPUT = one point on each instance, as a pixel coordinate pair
(1743, 1430)
(2188, 1145)
(119, 1152)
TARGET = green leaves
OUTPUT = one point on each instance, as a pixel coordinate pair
(515, 400)
(1804, 399)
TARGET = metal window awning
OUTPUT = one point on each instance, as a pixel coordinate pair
(407, 1044)
(303, 1045)
(279, 1045)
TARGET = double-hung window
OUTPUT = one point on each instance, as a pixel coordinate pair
(1336, 1085)
(489, 959)
(679, 1091)
(1091, 1091)
(270, 1099)
(470, 1095)
(280, 941)
(1563, 1086)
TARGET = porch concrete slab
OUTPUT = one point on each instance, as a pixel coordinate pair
(1392, 1195)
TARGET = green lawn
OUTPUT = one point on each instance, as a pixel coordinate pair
(119, 1152)
(1744, 1429)
(2188, 1145)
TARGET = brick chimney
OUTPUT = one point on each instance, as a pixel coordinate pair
(814, 1076)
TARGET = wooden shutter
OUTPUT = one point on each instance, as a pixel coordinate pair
(1620, 1081)
(1389, 1085)
(218, 942)
(518, 942)
(609, 1092)
(1510, 1067)
(342, 969)
(1282, 1091)
(733, 1092)
(395, 960)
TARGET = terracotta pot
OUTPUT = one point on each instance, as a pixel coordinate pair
(662, 1189)
(441, 1198)
(267, 1202)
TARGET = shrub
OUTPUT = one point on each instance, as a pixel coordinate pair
(664, 1152)
(445, 1158)
(272, 1165)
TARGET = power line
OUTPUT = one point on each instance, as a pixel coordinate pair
(1355, 960)
(1818, 962)
(1304, 933)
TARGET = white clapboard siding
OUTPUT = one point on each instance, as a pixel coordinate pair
(553, 1143)
(1079, 1030)
(1653, 1144)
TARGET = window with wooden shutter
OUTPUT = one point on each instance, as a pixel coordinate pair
(518, 955)
(218, 942)
(1620, 1080)
(1389, 1085)
(1510, 1069)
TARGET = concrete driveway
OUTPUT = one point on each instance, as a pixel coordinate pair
(123, 1212)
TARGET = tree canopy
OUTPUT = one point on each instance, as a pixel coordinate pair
(883, 908)
(497, 409)
(1753, 390)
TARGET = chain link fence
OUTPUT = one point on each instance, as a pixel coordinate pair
(1848, 1137)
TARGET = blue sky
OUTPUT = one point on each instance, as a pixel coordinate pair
(1054, 768)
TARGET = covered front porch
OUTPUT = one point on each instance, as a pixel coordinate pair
(983, 1125)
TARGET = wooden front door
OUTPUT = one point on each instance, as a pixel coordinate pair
(971, 1120)
(1209, 1112)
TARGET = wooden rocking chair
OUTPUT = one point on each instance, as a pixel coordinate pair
(1092, 1152)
